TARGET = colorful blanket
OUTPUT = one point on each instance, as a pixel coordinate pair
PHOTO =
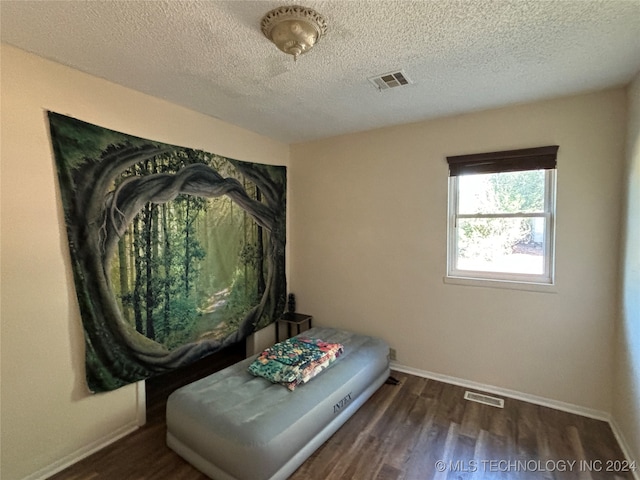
(295, 361)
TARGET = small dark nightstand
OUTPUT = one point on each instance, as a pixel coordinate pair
(291, 319)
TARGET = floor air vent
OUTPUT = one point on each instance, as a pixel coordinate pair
(390, 80)
(485, 399)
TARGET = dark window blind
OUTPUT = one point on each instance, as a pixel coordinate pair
(507, 161)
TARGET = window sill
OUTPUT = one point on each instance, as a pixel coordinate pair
(510, 285)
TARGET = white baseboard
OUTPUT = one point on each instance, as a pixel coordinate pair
(83, 452)
(626, 449)
(536, 400)
(99, 444)
(542, 401)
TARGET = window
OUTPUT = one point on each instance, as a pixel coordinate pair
(502, 216)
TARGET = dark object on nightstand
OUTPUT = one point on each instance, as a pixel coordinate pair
(292, 319)
(291, 305)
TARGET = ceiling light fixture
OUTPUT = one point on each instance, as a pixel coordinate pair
(294, 29)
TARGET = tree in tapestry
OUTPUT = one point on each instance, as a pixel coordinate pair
(176, 253)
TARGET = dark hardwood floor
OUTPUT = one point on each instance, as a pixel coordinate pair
(418, 430)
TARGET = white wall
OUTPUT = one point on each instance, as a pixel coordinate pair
(626, 406)
(47, 415)
(369, 217)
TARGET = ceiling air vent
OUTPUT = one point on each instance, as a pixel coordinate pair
(485, 399)
(390, 80)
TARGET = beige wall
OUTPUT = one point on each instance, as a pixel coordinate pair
(626, 406)
(47, 415)
(369, 216)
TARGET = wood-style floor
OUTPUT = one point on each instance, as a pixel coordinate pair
(419, 430)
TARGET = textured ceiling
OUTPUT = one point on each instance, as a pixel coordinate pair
(462, 56)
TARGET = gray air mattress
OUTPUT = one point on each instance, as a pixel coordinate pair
(234, 426)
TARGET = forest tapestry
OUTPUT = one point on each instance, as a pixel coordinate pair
(176, 253)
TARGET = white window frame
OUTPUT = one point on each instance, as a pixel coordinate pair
(524, 281)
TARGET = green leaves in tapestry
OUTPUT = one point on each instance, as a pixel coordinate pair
(176, 252)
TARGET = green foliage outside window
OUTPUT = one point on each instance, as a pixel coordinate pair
(499, 193)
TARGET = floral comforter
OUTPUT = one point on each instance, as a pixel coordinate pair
(295, 361)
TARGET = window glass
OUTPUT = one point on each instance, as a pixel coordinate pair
(501, 226)
(510, 245)
(509, 192)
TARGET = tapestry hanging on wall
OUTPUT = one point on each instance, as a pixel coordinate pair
(176, 253)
